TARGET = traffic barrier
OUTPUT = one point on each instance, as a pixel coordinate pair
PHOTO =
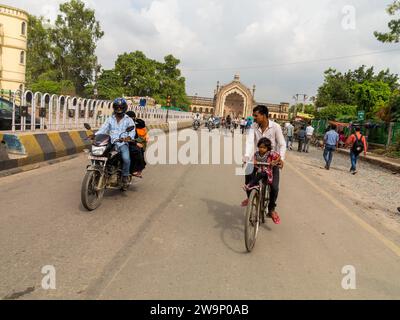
(37, 111)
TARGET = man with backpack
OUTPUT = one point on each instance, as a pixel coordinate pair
(358, 144)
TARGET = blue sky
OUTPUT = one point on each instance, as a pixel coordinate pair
(216, 38)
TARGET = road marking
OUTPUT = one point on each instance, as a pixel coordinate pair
(388, 243)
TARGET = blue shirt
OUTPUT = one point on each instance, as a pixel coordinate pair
(331, 138)
(115, 129)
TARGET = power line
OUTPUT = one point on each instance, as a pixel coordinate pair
(291, 63)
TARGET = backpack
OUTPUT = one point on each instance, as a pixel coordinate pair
(358, 146)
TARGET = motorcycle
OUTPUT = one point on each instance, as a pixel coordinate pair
(105, 171)
(211, 126)
(196, 125)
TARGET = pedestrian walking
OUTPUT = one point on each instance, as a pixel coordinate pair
(331, 141)
(289, 136)
(309, 136)
(243, 123)
(358, 145)
(301, 136)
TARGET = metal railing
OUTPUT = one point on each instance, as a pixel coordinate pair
(34, 111)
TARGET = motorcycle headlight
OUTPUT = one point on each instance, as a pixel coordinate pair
(98, 151)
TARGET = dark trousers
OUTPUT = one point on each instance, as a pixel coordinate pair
(273, 196)
(301, 142)
(257, 177)
(138, 164)
(354, 158)
(328, 154)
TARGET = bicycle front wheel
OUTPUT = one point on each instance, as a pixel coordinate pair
(252, 221)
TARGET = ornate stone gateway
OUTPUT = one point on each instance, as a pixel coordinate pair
(234, 99)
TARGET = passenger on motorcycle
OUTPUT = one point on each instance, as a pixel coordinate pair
(115, 126)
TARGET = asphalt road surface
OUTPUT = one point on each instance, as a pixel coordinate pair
(179, 234)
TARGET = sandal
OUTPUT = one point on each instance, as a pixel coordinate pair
(137, 175)
(275, 218)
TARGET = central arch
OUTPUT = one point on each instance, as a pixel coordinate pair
(234, 105)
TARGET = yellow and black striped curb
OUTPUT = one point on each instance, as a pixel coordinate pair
(31, 148)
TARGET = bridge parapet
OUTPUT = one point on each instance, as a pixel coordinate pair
(37, 111)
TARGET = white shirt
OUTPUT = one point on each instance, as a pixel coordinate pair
(310, 131)
(273, 133)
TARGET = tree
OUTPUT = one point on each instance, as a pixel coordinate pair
(394, 25)
(362, 87)
(39, 58)
(64, 87)
(142, 76)
(109, 85)
(336, 89)
(75, 37)
(338, 112)
(138, 74)
(371, 96)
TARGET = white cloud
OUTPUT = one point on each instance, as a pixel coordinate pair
(215, 34)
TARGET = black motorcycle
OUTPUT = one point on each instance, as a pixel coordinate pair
(105, 171)
(196, 125)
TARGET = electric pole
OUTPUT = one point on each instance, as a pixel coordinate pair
(296, 97)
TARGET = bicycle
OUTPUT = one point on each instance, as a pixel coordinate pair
(256, 211)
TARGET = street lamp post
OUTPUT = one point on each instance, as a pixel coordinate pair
(168, 107)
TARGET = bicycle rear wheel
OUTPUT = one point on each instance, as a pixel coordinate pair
(252, 221)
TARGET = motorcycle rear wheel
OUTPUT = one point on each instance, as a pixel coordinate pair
(90, 197)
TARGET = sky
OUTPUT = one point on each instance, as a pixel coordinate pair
(283, 47)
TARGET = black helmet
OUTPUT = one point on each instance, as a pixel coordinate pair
(120, 106)
(140, 124)
(131, 114)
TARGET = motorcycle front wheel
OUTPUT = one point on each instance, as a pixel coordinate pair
(90, 197)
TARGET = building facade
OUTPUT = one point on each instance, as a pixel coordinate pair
(237, 100)
(201, 105)
(13, 47)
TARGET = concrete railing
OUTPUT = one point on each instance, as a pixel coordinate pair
(34, 111)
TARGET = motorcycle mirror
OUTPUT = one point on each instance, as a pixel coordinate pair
(130, 129)
(87, 126)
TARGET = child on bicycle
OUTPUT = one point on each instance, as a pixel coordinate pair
(265, 155)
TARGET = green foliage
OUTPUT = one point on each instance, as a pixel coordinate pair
(39, 58)
(371, 96)
(109, 85)
(362, 87)
(61, 59)
(393, 35)
(64, 87)
(141, 76)
(339, 112)
(75, 35)
(66, 50)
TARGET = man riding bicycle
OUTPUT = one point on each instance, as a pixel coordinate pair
(263, 127)
(115, 126)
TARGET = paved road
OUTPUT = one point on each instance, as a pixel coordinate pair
(178, 234)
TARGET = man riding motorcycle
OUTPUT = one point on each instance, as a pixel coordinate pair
(115, 126)
(210, 122)
(196, 120)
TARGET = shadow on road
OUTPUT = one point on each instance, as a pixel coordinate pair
(230, 220)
